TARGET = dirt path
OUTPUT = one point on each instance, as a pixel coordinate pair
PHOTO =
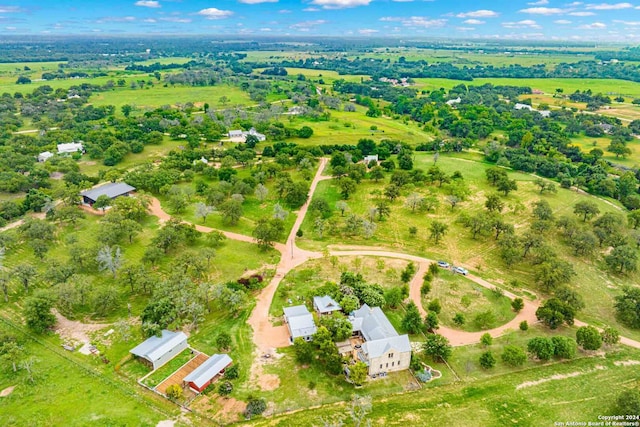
(7, 391)
(75, 331)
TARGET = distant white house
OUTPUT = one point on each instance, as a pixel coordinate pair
(452, 102)
(295, 110)
(325, 305)
(156, 351)
(383, 349)
(299, 322)
(70, 148)
(519, 106)
(242, 135)
(44, 156)
(370, 158)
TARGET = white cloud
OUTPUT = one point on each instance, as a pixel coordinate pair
(465, 28)
(10, 28)
(526, 23)
(340, 4)
(562, 22)
(369, 31)
(538, 3)
(483, 13)
(575, 3)
(176, 20)
(582, 14)
(284, 11)
(266, 29)
(257, 1)
(311, 9)
(417, 21)
(307, 25)
(147, 3)
(150, 20)
(594, 26)
(474, 22)
(543, 10)
(629, 23)
(609, 6)
(213, 13)
(10, 9)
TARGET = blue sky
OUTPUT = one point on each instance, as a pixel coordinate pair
(516, 19)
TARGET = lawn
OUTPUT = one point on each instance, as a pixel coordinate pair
(459, 295)
(72, 390)
(578, 391)
(163, 372)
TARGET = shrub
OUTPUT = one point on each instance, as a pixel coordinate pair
(225, 388)
(459, 319)
(524, 325)
(517, 304)
(435, 306)
(425, 288)
(255, 407)
(174, 392)
(486, 339)
(232, 372)
(487, 360)
(514, 356)
(564, 347)
(628, 402)
(588, 338)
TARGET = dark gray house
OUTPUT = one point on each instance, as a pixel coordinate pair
(111, 190)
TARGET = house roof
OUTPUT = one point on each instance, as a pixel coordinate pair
(236, 132)
(155, 347)
(111, 190)
(45, 155)
(374, 324)
(377, 348)
(71, 147)
(519, 106)
(209, 369)
(300, 321)
(326, 304)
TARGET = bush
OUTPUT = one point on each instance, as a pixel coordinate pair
(564, 347)
(628, 402)
(223, 341)
(435, 306)
(517, 304)
(588, 338)
(232, 372)
(255, 407)
(225, 388)
(425, 288)
(486, 339)
(174, 392)
(299, 233)
(524, 325)
(487, 360)
(514, 356)
(459, 319)
(415, 364)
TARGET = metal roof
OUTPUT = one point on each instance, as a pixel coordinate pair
(378, 332)
(326, 304)
(155, 347)
(111, 190)
(299, 321)
(377, 348)
(209, 369)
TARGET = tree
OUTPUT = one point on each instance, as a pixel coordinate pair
(513, 356)
(297, 194)
(342, 207)
(382, 209)
(358, 373)
(126, 109)
(25, 273)
(563, 347)
(554, 313)
(554, 272)
(174, 392)
(588, 338)
(486, 339)
(622, 258)
(437, 230)
(494, 203)
(376, 173)
(338, 325)
(392, 192)
(542, 348)
(305, 132)
(102, 202)
(459, 319)
(109, 259)
(487, 360)
(268, 231)
(542, 210)
(303, 350)
(412, 321)
(231, 211)
(570, 297)
(4, 284)
(627, 307)
(133, 208)
(129, 228)
(203, 211)
(349, 303)
(37, 311)
(225, 388)
(587, 209)
(437, 347)
(517, 304)
(435, 306)
(414, 201)
(506, 186)
(431, 322)
(610, 336)
(628, 402)
(347, 187)
(223, 341)
(11, 352)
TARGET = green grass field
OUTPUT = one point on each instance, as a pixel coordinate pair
(577, 391)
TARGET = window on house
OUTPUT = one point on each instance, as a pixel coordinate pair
(380, 366)
(392, 364)
(387, 365)
(390, 355)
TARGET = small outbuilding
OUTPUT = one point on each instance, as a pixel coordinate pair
(201, 377)
(325, 305)
(300, 322)
(111, 190)
(44, 156)
(156, 351)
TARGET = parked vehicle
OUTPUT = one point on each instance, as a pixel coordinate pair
(443, 264)
(460, 270)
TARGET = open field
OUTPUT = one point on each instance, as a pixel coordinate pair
(571, 391)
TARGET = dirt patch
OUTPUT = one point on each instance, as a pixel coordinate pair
(56, 175)
(76, 332)
(627, 362)
(225, 409)
(7, 391)
(166, 423)
(557, 377)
